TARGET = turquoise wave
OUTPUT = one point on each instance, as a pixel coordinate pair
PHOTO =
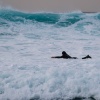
(57, 19)
(64, 19)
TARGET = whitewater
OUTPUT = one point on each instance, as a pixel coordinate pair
(29, 40)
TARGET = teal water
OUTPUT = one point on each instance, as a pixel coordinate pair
(62, 19)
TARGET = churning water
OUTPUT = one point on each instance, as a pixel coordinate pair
(27, 42)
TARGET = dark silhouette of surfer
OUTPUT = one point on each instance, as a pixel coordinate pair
(66, 56)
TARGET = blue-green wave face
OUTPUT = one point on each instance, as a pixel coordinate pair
(16, 16)
(48, 18)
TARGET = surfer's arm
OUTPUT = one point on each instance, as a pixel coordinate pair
(74, 57)
(57, 57)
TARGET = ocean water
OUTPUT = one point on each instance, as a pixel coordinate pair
(29, 40)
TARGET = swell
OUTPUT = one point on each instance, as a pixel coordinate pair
(48, 18)
(86, 23)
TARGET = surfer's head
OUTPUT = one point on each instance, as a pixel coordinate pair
(64, 53)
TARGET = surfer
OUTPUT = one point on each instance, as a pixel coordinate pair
(66, 56)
